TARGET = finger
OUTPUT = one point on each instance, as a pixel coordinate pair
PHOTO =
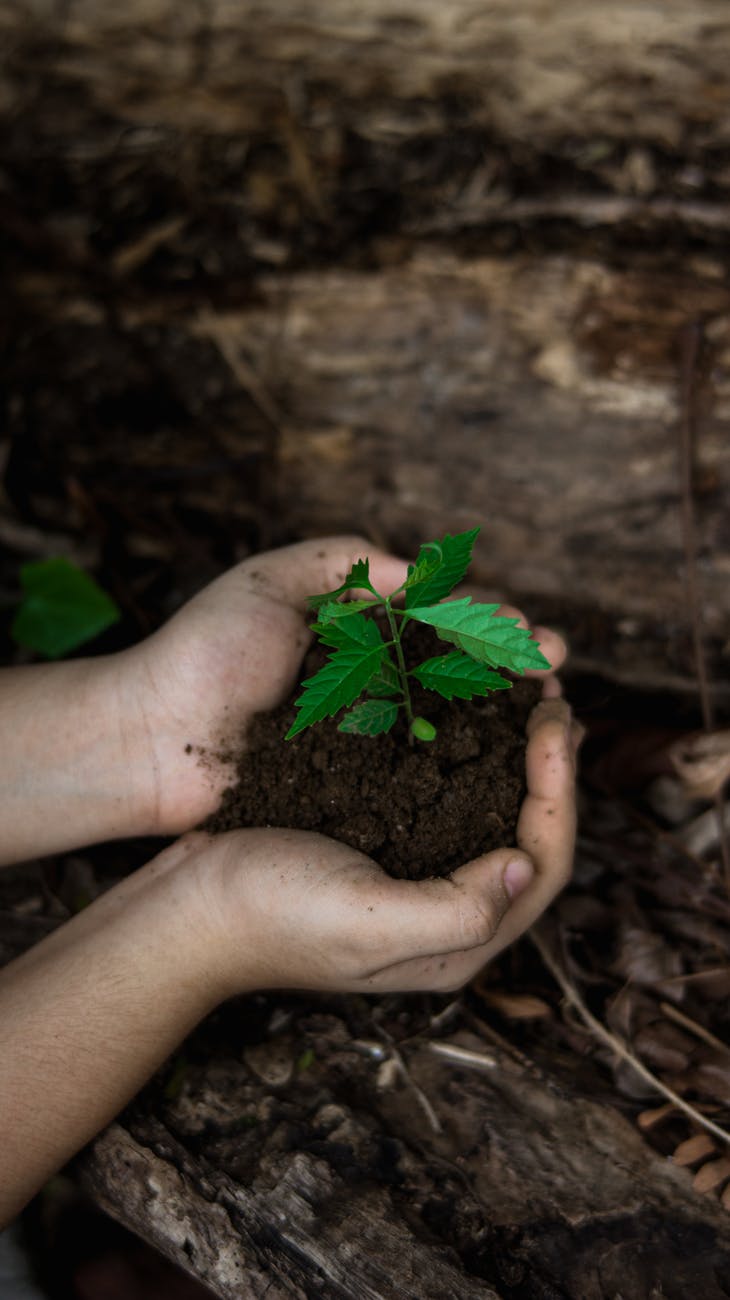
(546, 826)
(459, 913)
(546, 831)
(293, 573)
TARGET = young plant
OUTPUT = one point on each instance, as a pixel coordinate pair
(362, 661)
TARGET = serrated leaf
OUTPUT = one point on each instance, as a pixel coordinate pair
(359, 576)
(337, 685)
(456, 675)
(350, 632)
(62, 608)
(371, 718)
(386, 682)
(333, 610)
(426, 584)
(486, 637)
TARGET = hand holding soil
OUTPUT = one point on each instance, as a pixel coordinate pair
(232, 652)
(112, 747)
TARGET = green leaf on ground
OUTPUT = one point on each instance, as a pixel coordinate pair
(62, 608)
(439, 567)
(359, 576)
(457, 675)
(488, 638)
(337, 685)
(371, 718)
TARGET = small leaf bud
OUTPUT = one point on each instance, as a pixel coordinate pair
(423, 730)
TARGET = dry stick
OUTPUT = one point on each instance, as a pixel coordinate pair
(409, 1081)
(672, 1013)
(616, 1044)
(692, 337)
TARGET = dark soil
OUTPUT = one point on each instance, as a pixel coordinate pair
(421, 810)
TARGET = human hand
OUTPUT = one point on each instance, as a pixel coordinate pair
(233, 651)
(287, 908)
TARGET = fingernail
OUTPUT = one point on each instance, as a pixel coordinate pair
(517, 875)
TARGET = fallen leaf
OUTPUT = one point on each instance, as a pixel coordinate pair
(695, 1148)
(702, 762)
(712, 1175)
(516, 1006)
(648, 1119)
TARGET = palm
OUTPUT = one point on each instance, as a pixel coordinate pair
(233, 651)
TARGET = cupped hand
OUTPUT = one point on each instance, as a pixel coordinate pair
(233, 651)
(293, 909)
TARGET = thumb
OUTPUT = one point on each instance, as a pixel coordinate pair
(457, 913)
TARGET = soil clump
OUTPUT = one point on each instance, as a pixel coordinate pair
(420, 810)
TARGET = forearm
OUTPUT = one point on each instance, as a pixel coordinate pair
(90, 1013)
(73, 771)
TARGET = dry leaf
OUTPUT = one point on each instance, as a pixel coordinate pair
(663, 1046)
(713, 984)
(695, 1148)
(712, 1175)
(648, 1119)
(644, 957)
(702, 762)
(713, 1075)
(516, 1006)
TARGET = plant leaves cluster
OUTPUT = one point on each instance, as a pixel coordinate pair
(362, 662)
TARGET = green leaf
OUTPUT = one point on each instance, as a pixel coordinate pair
(359, 576)
(457, 675)
(332, 610)
(346, 633)
(440, 565)
(387, 681)
(491, 640)
(422, 729)
(371, 718)
(337, 685)
(62, 608)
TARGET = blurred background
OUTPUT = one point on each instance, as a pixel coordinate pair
(273, 271)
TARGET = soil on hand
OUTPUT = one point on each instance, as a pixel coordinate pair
(420, 810)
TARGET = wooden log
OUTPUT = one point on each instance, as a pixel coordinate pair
(538, 74)
(415, 115)
(537, 397)
(523, 1187)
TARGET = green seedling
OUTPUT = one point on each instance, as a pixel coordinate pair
(362, 662)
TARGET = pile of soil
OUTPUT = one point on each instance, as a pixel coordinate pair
(420, 810)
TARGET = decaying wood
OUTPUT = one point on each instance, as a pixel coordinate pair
(536, 1190)
(535, 396)
(539, 74)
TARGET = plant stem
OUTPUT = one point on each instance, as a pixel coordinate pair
(402, 670)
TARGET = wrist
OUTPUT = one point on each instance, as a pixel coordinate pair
(69, 769)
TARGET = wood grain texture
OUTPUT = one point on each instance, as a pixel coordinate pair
(555, 1196)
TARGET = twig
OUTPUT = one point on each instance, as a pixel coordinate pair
(481, 1061)
(688, 1023)
(405, 1074)
(616, 1044)
(692, 337)
(487, 1031)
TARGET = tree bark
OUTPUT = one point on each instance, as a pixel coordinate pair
(564, 68)
(537, 397)
(525, 1191)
